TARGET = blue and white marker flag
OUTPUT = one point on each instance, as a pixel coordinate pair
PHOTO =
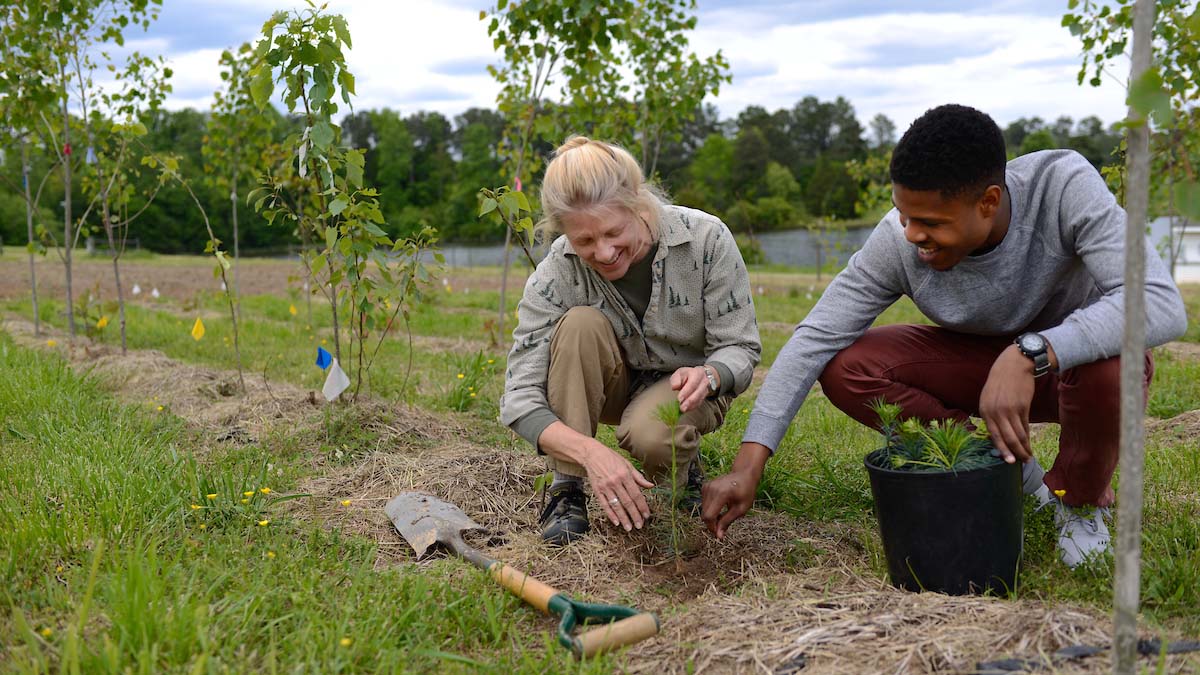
(336, 383)
(324, 358)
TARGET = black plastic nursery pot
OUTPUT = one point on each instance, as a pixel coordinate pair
(955, 533)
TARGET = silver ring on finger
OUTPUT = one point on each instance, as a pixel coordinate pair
(614, 501)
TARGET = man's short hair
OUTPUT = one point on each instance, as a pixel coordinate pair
(953, 149)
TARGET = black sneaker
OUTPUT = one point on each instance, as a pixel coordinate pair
(565, 518)
(689, 502)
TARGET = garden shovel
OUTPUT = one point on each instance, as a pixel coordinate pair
(424, 521)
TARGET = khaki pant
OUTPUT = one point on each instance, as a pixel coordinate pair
(589, 383)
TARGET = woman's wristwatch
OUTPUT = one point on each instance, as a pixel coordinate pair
(713, 385)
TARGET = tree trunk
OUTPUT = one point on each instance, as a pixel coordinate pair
(116, 257)
(237, 278)
(68, 241)
(37, 321)
(1133, 346)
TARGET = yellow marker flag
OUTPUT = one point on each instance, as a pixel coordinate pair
(198, 329)
(292, 310)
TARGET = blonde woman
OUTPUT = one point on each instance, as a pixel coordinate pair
(638, 303)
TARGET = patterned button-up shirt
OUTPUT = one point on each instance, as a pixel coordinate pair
(701, 310)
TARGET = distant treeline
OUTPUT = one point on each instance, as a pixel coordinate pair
(759, 171)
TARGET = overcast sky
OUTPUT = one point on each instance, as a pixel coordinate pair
(1010, 58)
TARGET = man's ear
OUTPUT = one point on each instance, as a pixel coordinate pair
(989, 203)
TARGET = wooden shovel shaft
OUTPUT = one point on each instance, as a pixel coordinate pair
(523, 586)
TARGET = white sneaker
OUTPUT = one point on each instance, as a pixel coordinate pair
(1081, 532)
(1032, 474)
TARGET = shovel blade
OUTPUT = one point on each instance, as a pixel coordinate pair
(424, 520)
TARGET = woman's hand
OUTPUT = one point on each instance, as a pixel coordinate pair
(692, 384)
(618, 486)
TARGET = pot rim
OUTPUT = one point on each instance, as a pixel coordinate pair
(919, 475)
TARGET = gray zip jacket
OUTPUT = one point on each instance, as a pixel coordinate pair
(700, 311)
(1059, 271)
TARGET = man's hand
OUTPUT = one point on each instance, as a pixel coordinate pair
(725, 499)
(692, 384)
(1005, 401)
(618, 486)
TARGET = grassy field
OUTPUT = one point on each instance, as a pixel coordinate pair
(106, 567)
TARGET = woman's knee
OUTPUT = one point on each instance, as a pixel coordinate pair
(581, 326)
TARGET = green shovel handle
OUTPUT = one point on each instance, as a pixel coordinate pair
(623, 626)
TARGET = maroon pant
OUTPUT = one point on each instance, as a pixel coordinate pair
(936, 374)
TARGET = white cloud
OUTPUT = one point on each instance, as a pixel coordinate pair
(420, 54)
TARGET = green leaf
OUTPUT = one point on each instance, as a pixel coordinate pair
(261, 86)
(1187, 199)
(487, 207)
(322, 135)
(342, 30)
(222, 259)
(330, 237)
(1148, 97)
(522, 201)
(338, 205)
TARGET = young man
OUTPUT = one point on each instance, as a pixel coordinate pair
(1021, 268)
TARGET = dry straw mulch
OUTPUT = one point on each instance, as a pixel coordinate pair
(778, 595)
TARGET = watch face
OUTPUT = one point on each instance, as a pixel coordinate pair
(1032, 342)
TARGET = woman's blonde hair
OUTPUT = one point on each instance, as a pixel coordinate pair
(586, 176)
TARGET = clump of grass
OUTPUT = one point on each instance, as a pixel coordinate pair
(472, 373)
(941, 445)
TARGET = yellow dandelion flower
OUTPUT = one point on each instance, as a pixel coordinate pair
(245, 501)
(292, 310)
(345, 642)
(248, 493)
(470, 388)
(271, 555)
(472, 394)
(449, 289)
(264, 523)
(211, 495)
(47, 632)
(1059, 493)
(160, 408)
(461, 376)
(102, 322)
(308, 328)
(58, 569)
(203, 526)
(51, 343)
(345, 502)
(265, 490)
(195, 506)
(491, 361)
(324, 341)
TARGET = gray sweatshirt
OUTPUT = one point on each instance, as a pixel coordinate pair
(1059, 271)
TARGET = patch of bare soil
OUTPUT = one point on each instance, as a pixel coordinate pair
(1183, 350)
(778, 595)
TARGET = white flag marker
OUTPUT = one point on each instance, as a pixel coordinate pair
(336, 383)
(137, 290)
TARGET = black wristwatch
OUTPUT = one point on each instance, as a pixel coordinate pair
(1035, 347)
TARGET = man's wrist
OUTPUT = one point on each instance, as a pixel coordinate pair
(751, 459)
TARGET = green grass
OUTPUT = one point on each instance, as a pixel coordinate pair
(224, 592)
(107, 569)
